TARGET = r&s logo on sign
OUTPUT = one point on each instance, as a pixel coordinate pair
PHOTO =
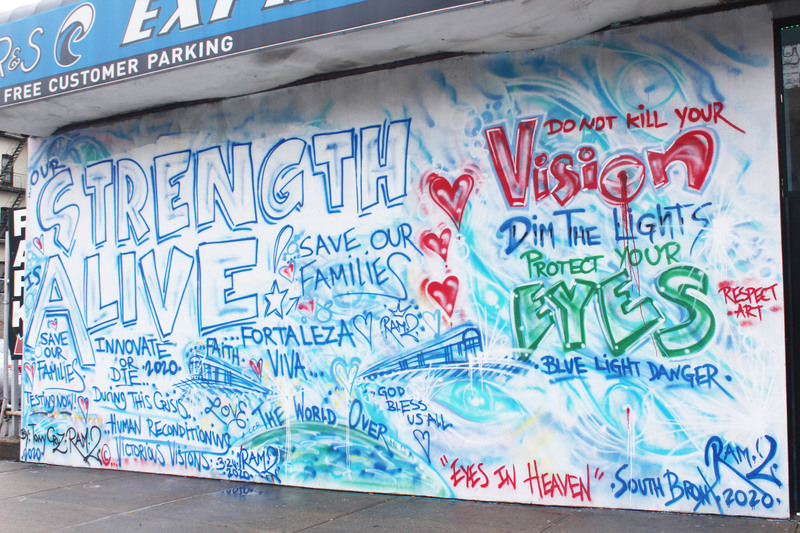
(75, 27)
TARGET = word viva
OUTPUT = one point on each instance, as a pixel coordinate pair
(619, 180)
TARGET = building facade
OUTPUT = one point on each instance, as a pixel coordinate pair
(13, 173)
(558, 276)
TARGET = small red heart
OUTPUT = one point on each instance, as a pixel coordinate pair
(38, 243)
(306, 307)
(53, 323)
(257, 367)
(444, 293)
(30, 368)
(437, 244)
(452, 198)
(83, 401)
(287, 271)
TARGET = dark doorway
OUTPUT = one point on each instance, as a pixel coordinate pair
(787, 67)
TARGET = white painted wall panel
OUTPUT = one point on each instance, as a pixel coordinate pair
(549, 277)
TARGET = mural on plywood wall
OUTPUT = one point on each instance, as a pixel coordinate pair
(549, 277)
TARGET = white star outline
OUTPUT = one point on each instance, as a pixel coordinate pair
(272, 297)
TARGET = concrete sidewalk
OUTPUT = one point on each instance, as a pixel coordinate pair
(37, 497)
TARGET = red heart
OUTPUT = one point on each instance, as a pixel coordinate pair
(53, 323)
(436, 244)
(306, 307)
(444, 293)
(451, 198)
(257, 367)
(287, 271)
(38, 243)
(83, 401)
(30, 368)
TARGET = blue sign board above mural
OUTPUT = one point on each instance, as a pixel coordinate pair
(97, 42)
